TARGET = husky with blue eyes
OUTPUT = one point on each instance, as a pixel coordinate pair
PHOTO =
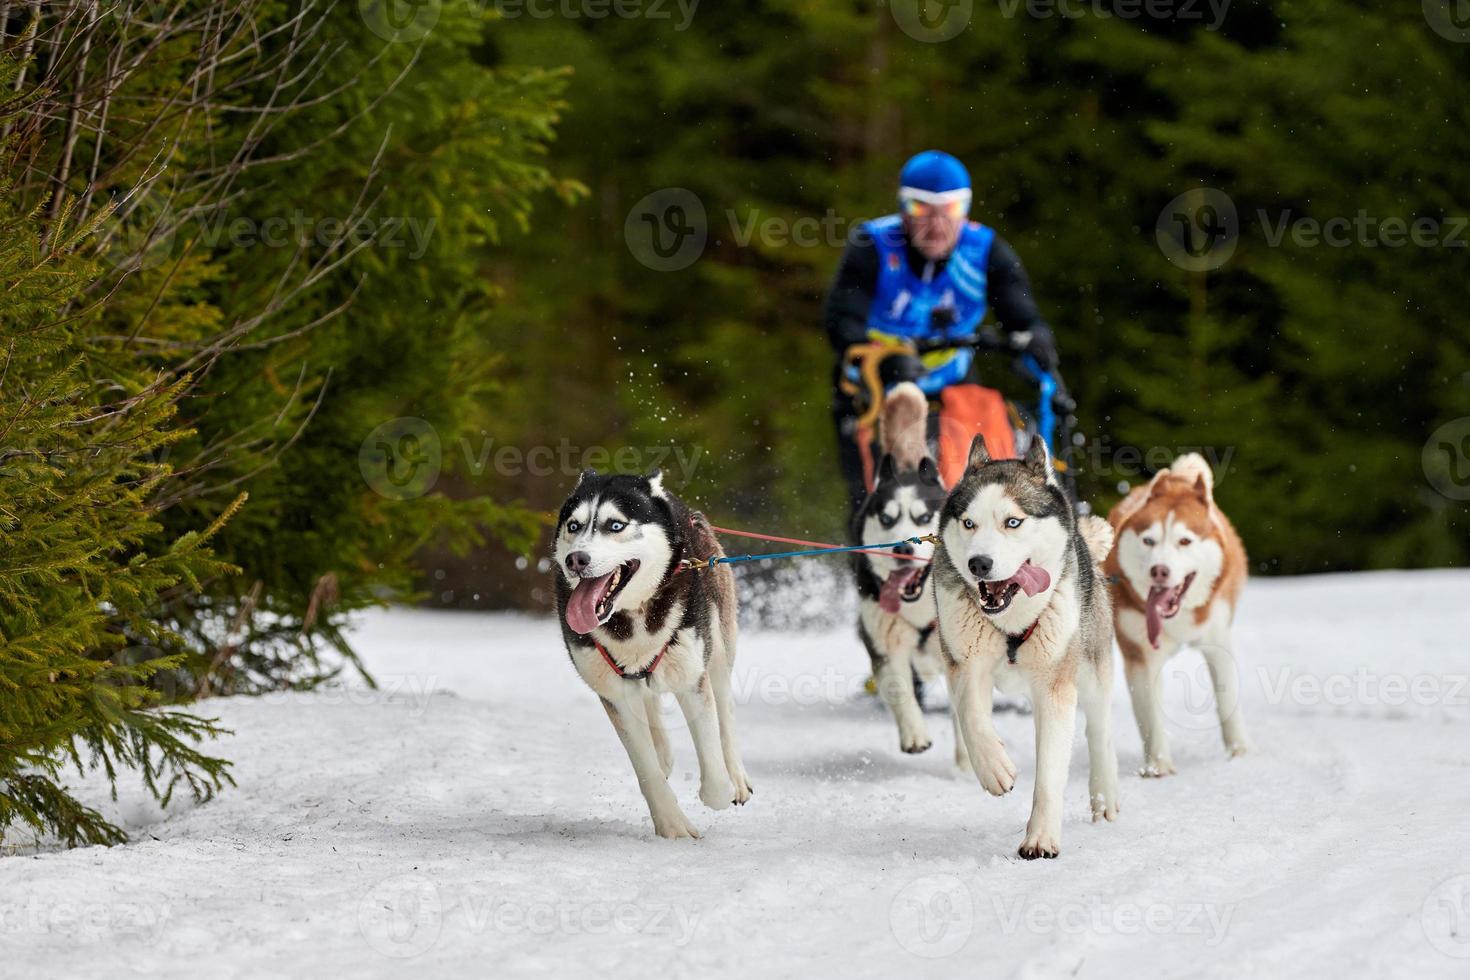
(638, 624)
(895, 595)
(1023, 608)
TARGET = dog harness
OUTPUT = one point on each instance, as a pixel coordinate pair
(638, 675)
(1013, 643)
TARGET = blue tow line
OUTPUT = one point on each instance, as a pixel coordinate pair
(733, 559)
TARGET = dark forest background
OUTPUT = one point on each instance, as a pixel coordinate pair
(1315, 371)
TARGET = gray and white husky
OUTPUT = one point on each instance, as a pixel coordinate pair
(638, 626)
(1022, 608)
(896, 619)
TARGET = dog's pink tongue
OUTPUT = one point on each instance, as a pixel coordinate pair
(890, 596)
(582, 604)
(1032, 578)
(1154, 615)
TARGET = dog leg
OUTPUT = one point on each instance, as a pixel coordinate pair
(719, 674)
(1056, 718)
(1102, 764)
(971, 688)
(653, 705)
(1225, 675)
(893, 673)
(715, 789)
(1143, 686)
(629, 717)
(961, 757)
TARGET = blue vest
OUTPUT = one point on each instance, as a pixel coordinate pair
(903, 302)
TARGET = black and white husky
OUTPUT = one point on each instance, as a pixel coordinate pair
(637, 626)
(1022, 608)
(896, 620)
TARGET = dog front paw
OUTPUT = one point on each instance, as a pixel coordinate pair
(717, 794)
(914, 744)
(743, 790)
(1040, 844)
(674, 825)
(1105, 807)
(1158, 768)
(1239, 748)
(996, 771)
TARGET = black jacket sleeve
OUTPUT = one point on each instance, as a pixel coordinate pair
(1010, 292)
(846, 313)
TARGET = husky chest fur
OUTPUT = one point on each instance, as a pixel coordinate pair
(637, 626)
(1022, 608)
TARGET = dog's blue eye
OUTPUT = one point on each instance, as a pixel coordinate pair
(887, 520)
(924, 519)
(1149, 542)
(574, 526)
(969, 524)
(615, 526)
(1014, 522)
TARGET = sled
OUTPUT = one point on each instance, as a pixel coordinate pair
(961, 411)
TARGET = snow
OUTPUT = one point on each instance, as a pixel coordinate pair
(477, 817)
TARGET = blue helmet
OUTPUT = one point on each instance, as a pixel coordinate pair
(934, 171)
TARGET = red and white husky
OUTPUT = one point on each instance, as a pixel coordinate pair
(1177, 572)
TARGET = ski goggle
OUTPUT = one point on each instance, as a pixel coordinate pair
(918, 203)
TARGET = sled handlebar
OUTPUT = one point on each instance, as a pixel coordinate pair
(867, 358)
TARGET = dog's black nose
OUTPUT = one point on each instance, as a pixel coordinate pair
(1160, 574)
(903, 549)
(578, 561)
(980, 566)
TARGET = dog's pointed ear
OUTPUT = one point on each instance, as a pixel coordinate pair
(979, 455)
(585, 475)
(928, 471)
(655, 480)
(887, 467)
(1201, 489)
(1038, 459)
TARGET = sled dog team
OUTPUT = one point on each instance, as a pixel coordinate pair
(1017, 593)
